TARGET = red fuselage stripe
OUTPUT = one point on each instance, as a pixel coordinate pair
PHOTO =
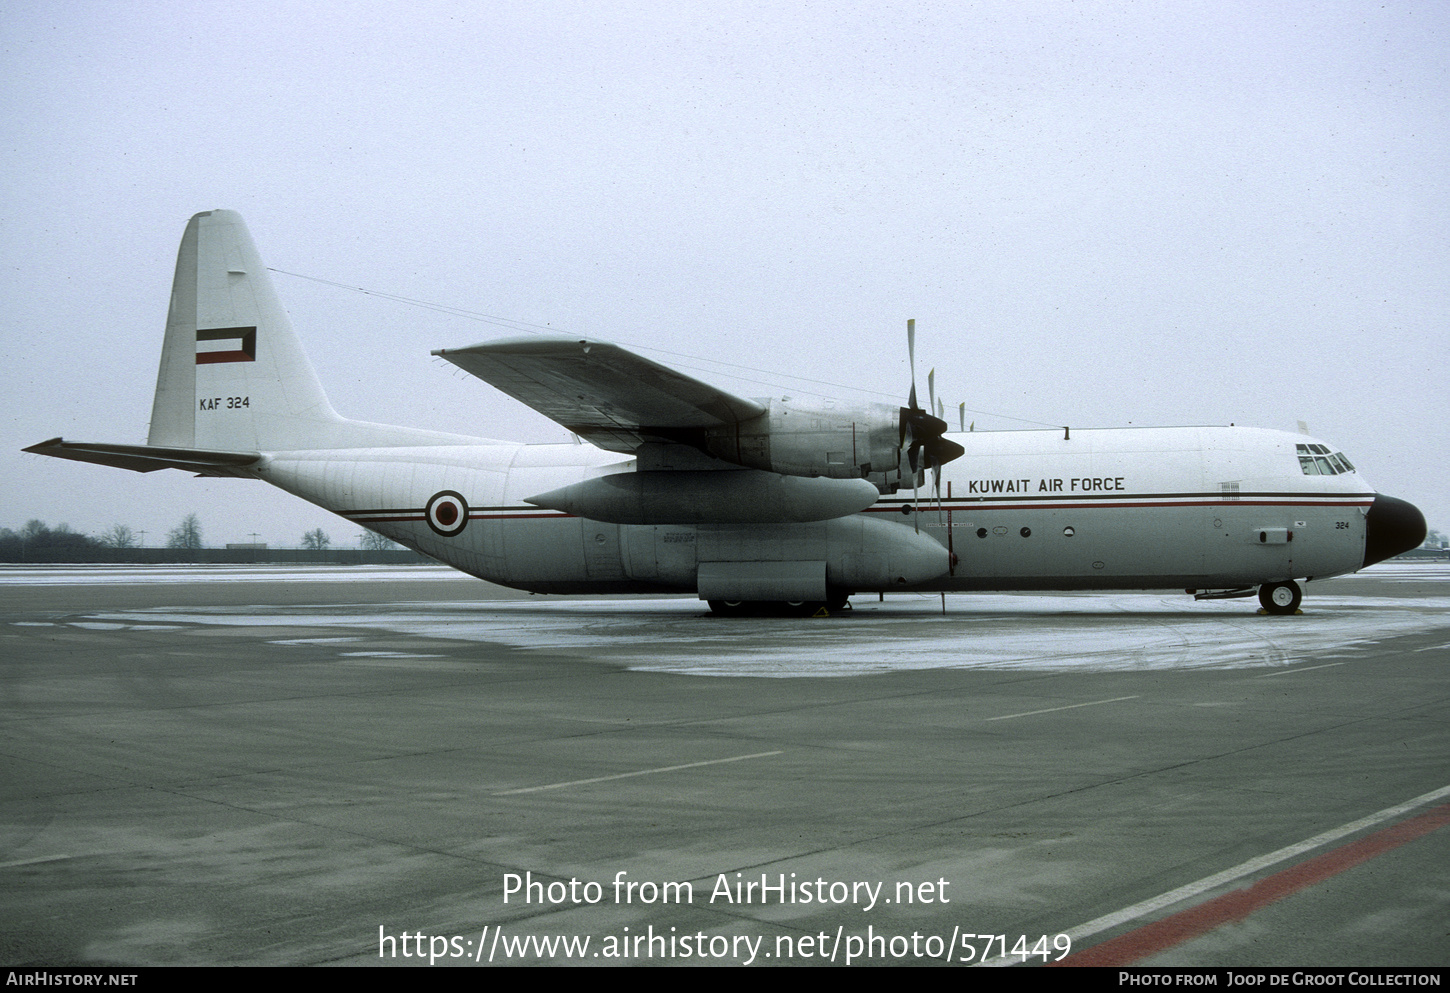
(957, 506)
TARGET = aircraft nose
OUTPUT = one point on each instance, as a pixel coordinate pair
(1391, 527)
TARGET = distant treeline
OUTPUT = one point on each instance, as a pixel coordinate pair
(37, 542)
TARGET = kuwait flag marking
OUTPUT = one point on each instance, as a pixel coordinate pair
(226, 345)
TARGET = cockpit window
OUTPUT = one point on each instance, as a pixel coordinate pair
(1318, 460)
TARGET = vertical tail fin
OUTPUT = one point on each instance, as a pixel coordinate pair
(233, 374)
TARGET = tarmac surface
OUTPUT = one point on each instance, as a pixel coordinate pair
(401, 766)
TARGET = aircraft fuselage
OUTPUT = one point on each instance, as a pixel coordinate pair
(1209, 507)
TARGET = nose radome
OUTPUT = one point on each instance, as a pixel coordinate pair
(1391, 527)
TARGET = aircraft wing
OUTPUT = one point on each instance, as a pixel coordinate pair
(149, 458)
(610, 397)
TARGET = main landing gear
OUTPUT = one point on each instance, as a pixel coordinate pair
(781, 608)
(1280, 598)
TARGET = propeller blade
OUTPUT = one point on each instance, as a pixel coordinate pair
(911, 353)
(936, 485)
(908, 448)
(916, 500)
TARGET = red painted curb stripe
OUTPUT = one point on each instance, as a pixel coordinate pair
(1196, 921)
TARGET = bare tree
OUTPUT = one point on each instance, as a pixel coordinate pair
(316, 540)
(371, 541)
(119, 536)
(187, 534)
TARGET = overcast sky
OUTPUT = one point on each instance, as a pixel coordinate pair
(1098, 213)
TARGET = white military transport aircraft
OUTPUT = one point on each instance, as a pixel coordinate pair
(754, 505)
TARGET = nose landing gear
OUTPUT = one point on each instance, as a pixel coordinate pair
(1280, 598)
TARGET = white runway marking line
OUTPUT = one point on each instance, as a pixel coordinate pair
(641, 772)
(1202, 886)
(1307, 668)
(35, 861)
(1071, 706)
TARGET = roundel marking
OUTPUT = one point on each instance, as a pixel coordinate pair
(447, 513)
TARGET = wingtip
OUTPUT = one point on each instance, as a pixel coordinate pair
(40, 448)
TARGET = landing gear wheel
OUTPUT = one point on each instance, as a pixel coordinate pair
(1280, 598)
(769, 608)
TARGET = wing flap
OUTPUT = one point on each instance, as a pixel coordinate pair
(149, 458)
(607, 395)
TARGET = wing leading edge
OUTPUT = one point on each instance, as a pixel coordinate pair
(608, 396)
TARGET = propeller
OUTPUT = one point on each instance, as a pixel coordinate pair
(922, 444)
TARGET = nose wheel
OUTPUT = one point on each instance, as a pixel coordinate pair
(1280, 598)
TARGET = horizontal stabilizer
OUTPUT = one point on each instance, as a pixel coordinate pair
(149, 458)
(610, 397)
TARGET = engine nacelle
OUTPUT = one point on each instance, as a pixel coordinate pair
(838, 441)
